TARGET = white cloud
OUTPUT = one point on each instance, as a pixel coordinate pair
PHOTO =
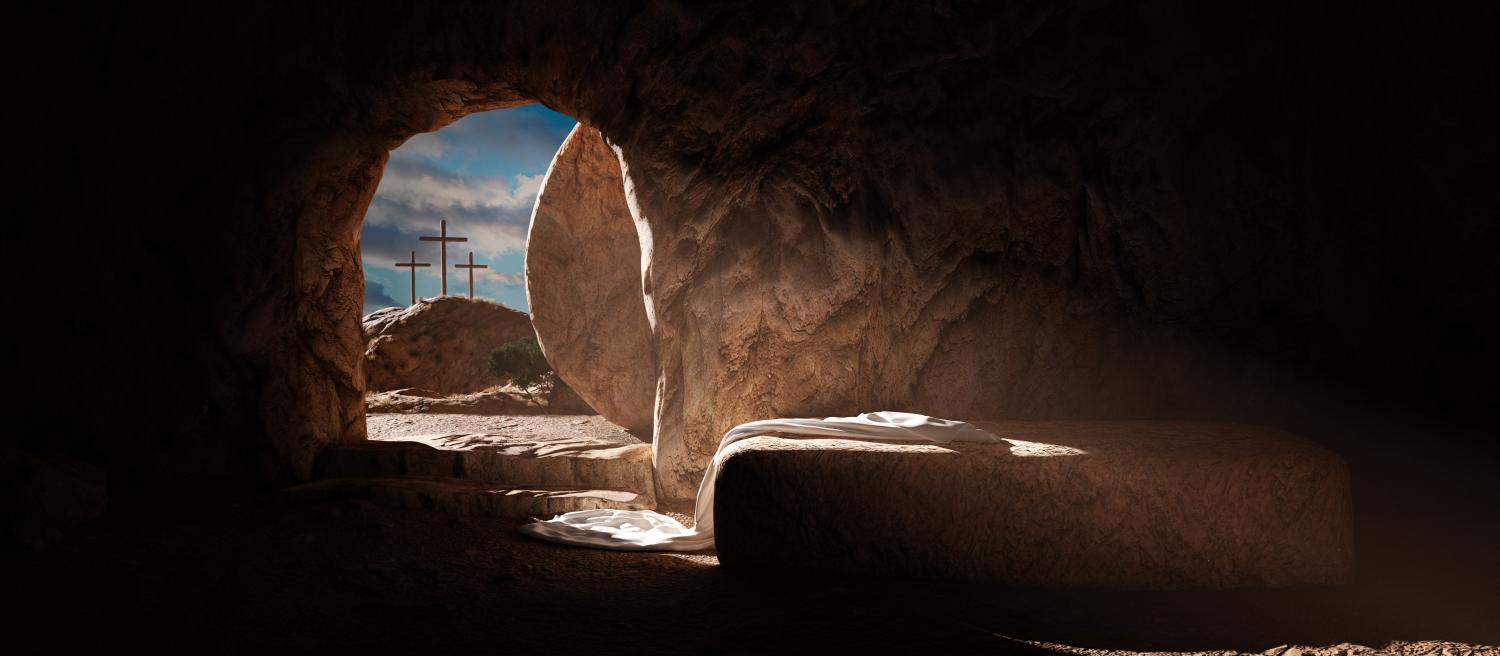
(429, 145)
(493, 213)
(520, 134)
(454, 174)
(491, 275)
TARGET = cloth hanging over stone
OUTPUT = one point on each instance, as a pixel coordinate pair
(644, 530)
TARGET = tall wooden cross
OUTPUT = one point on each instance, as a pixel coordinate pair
(413, 264)
(443, 240)
(471, 266)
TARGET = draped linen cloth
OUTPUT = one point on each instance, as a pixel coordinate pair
(644, 530)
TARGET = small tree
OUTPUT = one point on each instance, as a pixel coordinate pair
(521, 362)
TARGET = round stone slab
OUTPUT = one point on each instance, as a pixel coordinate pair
(1136, 504)
(583, 280)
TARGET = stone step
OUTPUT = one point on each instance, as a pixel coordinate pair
(512, 461)
(464, 497)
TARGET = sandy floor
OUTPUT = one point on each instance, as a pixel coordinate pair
(590, 427)
(248, 574)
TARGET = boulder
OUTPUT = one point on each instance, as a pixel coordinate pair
(583, 281)
(564, 400)
(440, 344)
(1134, 504)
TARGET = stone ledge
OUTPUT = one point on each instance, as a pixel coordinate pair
(464, 497)
(1137, 504)
(509, 460)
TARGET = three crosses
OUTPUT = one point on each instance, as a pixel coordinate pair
(442, 240)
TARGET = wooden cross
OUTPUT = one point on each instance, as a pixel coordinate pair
(443, 240)
(413, 264)
(471, 266)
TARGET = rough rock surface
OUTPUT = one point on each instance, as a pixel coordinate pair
(1153, 505)
(583, 283)
(440, 344)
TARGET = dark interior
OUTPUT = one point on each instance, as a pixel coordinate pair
(1275, 213)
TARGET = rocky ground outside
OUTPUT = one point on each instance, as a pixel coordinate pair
(493, 401)
(592, 428)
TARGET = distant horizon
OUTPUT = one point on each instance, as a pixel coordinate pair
(481, 174)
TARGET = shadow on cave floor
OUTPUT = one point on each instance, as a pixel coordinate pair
(249, 574)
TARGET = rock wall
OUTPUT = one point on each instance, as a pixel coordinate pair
(1085, 209)
(583, 283)
(442, 344)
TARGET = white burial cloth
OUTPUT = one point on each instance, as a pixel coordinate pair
(644, 530)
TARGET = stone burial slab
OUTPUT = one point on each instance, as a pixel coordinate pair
(1059, 504)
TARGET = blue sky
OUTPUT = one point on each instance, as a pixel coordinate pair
(482, 174)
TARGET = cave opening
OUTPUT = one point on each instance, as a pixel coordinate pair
(472, 229)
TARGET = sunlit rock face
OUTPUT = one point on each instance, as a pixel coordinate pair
(583, 282)
(1092, 209)
(440, 344)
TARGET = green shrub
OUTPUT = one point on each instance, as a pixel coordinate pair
(521, 362)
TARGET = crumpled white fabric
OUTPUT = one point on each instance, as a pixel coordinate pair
(644, 530)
